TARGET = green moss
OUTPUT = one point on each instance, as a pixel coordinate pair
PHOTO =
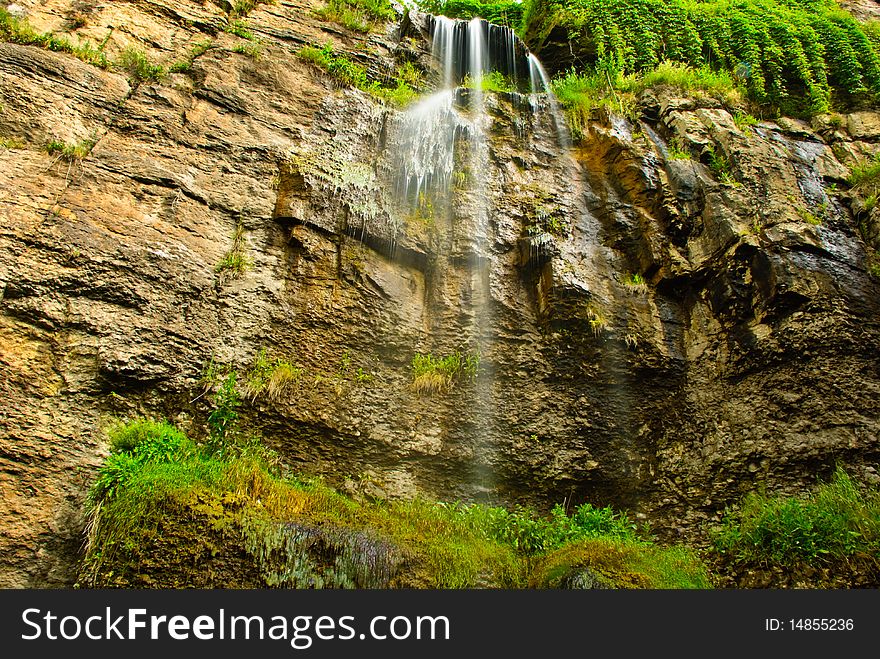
(606, 563)
(168, 512)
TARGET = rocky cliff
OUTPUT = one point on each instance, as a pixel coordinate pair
(654, 332)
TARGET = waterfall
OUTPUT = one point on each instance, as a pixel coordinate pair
(540, 84)
(440, 158)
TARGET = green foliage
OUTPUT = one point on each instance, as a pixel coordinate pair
(223, 418)
(809, 217)
(154, 471)
(838, 520)
(636, 283)
(606, 563)
(744, 122)
(71, 152)
(398, 92)
(133, 444)
(494, 81)
(790, 54)
(436, 374)
(865, 177)
(10, 143)
(507, 12)
(357, 15)
(678, 150)
(19, 31)
(135, 62)
(234, 262)
(270, 377)
(721, 166)
(254, 50)
(239, 29)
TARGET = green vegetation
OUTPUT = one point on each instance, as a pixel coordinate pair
(865, 178)
(744, 122)
(397, 92)
(270, 377)
(199, 49)
(836, 522)
(809, 217)
(242, 8)
(636, 283)
(582, 92)
(504, 12)
(357, 15)
(721, 167)
(135, 62)
(156, 475)
(18, 31)
(235, 262)
(788, 54)
(239, 29)
(254, 50)
(11, 143)
(677, 150)
(71, 152)
(491, 82)
(437, 374)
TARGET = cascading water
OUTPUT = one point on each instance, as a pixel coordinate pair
(444, 139)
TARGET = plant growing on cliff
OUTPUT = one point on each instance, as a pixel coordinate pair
(841, 518)
(16, 30)
(357, 15)
(135, 62)
(235, 503)
(71, 152)
(786, 54)
(234, 262)
(270, 377)
(437, 374)
(223, 418)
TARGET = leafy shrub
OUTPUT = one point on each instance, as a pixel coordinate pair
(505, 12)
(788, 53)
(838, 520)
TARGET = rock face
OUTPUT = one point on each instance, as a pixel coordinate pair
(744, 353)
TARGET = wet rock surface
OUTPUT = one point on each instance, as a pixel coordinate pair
(745, 353)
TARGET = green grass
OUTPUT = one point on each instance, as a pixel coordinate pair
(398, 92)
(71, 152)
(677, 150)
(137, 65)
(239, 29)
(438, 374)
(581, 92)
(356, 15)
(155, 472)
(253, 50)
(234, 262)
(837, 521)
(494, 81)
(19, 31)
(744, 122)
(865, 177)
(270, 377)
